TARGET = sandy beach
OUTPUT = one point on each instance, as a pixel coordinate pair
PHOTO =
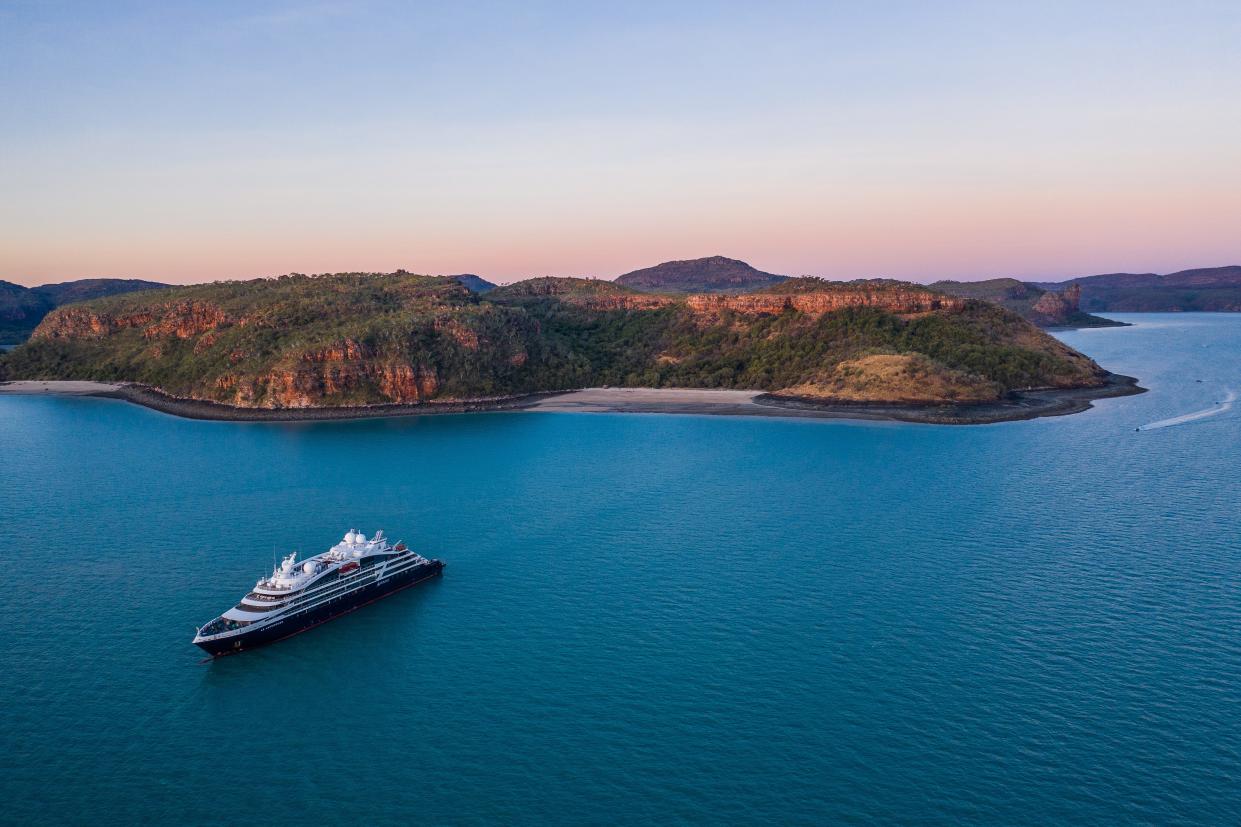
(61, 388)
(693, 401)
(653, 400)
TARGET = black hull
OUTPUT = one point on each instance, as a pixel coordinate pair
(334, 608)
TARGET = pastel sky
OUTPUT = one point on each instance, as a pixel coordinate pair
(191, 141)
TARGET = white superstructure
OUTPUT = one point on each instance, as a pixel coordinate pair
(290, 576)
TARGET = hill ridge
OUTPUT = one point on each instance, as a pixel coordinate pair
(699, 275)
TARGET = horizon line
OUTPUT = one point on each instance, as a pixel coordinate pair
(920, 280)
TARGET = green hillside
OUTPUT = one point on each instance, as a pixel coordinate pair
(357, 338)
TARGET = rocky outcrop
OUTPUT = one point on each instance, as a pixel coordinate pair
(405, 383)
(182, 319)
(902, 301)
(1056, 308)
(185, 320)
(338, 373)
(81, 323)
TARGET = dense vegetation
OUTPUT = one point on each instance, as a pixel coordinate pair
(669, 347)
(368, 338)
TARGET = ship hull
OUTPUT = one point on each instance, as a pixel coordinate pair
(287, 627)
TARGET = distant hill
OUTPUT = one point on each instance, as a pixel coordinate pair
(473, 283)
(22, 308)
(1202, 289)
(86, 289)
(716, 274)
(1044, 307)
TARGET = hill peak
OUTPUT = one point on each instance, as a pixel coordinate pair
(712, 274)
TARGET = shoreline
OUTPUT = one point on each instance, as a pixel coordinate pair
(1021, 406)
(201, 409)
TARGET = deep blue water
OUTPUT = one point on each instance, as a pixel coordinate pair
(644, 618)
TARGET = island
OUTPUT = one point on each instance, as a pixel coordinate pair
(358, 344)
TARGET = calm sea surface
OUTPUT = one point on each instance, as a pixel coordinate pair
(644, 618)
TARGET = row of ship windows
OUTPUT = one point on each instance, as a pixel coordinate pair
(300, 600)
(321, 587)
(345, 584)
(312, 600)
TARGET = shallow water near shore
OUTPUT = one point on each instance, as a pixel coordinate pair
(644, 618)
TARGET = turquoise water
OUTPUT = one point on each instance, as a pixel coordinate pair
(644, 618)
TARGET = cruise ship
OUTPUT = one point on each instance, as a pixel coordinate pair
(299, 595)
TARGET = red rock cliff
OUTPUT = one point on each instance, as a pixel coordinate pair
(892, 299)
(182, 319)
(1055, 308)
(340, 370)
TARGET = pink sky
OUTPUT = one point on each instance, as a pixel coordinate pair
(961, 141)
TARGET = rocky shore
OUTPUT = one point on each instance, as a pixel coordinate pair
(1024, 405)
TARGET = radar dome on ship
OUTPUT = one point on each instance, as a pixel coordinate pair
(309, 567)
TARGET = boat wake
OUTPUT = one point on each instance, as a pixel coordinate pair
(1218, 408)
